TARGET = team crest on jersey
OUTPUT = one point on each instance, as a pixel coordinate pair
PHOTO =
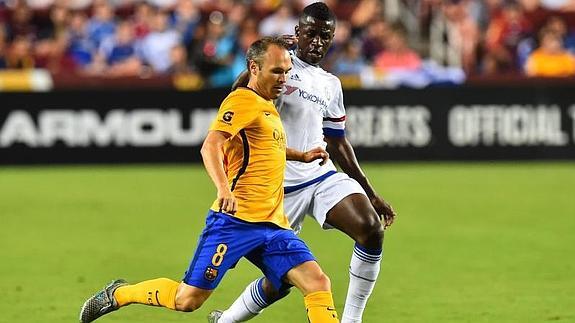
(327, 94)
(228, 115)
(211, 274)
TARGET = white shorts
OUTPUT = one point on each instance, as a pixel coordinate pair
(317, 199)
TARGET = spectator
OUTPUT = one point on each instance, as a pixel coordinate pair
(397, 55)
(462, 33)
(156, 46)
(117, 54)
(80, 49)
(248, 33)
(550, 59)
(350, 61)
(239, 12)
(185, 19)
(20, 53)
(558, 25)
(21, 22)
(503, 35)
(364, 12)
(58, 24)
(142, 19)
(282, 22)
(216, 52)
(555, 24)
(3, 45)
(374, 38)
(179, 61)
(102, 24)
(53, 42)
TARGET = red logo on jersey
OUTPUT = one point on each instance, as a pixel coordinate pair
(289, 89)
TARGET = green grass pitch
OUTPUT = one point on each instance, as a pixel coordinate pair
(472, 243)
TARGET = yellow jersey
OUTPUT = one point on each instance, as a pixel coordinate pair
(254, 157)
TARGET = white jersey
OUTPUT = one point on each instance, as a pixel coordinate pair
(310, 105)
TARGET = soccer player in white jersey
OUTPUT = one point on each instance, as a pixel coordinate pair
(313, 114)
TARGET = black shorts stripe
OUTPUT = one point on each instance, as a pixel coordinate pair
(246, 159)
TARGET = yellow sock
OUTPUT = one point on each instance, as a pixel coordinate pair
(320, 308)
(155, 292)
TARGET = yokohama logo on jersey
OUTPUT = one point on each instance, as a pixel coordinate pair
(305, 95)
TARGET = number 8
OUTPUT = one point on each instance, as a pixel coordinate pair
(219, 255)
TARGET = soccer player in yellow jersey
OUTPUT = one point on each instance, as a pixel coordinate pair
(245, 155)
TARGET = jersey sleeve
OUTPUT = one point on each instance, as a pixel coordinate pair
(334, 116)
(235, 114)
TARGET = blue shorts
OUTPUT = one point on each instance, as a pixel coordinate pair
(226, 239)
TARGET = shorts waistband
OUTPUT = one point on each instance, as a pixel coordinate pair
(289, 189)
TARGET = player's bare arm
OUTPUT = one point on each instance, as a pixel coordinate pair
(213, 157)
(308, 156)
(344, 155)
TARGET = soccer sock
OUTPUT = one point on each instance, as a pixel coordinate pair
(250, 303)
(155, 292)
(363, 272)
(320, 308)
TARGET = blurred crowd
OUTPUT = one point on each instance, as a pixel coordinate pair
(491, 37)
(115, 38)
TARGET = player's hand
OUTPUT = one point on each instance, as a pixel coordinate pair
(315, 154)
(227, 202)
(291, 40)
(384, 209)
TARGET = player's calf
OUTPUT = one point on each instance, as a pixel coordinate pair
(316, 287)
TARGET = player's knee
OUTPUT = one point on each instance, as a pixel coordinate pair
(320, 282)
(188, 304)
(271, 293)
(323, 282)
(189, 301)
(371, 235)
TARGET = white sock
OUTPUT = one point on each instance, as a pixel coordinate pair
(250, 303)
(363, 272)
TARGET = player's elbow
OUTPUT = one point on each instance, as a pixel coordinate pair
(204, 151)
(207, 150)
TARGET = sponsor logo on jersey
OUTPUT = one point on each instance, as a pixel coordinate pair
(306, 95)
(228, 115)
(280, 138)
(312, 98)
(295, 77)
